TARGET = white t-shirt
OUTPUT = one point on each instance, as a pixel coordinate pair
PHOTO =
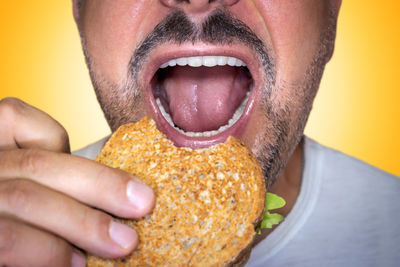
(347, 214)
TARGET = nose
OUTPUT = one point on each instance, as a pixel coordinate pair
(197, 6)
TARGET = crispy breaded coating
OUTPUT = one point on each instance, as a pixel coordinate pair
(208, 201)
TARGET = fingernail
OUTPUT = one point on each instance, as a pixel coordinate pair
(78, 260)
(140, 195)
(122, 234)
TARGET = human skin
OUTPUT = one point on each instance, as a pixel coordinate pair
(47, 196)
(298, 36)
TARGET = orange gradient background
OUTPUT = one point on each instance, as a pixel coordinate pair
(357, 109)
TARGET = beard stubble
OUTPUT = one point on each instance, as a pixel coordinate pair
(124, 102)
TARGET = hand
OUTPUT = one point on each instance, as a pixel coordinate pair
(52, 203)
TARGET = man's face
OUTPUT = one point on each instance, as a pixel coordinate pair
(248, 68)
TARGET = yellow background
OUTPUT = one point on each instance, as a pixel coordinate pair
(357, 109)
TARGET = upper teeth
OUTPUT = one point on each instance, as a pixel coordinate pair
(208, 61)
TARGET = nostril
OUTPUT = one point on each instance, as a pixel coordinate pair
(196, 6)
(172, 3)
(230, 2)
(167, 3)
(191, 6)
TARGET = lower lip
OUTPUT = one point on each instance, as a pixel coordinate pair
(182, 140)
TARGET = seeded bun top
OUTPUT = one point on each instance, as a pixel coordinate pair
(208, 201)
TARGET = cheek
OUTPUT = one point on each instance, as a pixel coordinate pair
(291, 28)
(260, 128)
(112, 29)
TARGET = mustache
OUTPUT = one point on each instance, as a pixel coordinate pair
(219, 28)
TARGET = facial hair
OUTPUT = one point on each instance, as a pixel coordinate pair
(125, 102)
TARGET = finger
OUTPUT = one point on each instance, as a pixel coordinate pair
(23, 245)
(112, 190)
(23, 126)
(89, 229)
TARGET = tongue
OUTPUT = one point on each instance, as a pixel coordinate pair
(203, 99)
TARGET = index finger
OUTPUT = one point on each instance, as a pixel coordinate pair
(24, 126)
(97, 185)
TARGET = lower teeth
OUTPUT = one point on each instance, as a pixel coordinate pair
(238, 113)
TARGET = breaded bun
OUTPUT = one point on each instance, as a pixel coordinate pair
(208, 201)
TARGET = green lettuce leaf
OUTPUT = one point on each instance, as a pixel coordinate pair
(272, 201)
(271, 219)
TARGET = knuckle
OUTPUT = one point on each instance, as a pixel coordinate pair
(18, 195)
(58, 253)
(103, 183)
(60, 138)
(112, 182)
(102, 178)
(10, 106)
(94, 224)
(32, 161)
(8, 236)
(61, 134)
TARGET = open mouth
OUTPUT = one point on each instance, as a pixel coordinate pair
(200, 100)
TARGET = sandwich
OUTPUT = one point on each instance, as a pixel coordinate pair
(209, 202)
